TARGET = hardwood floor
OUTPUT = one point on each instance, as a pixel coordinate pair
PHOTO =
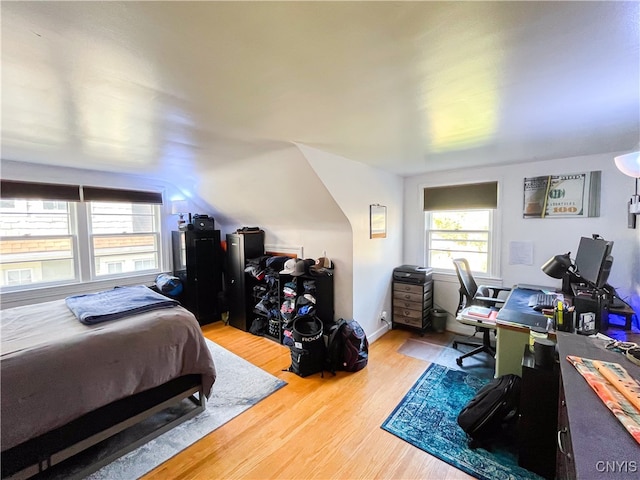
(324, 428)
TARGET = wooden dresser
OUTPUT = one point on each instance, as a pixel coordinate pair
(412, 299)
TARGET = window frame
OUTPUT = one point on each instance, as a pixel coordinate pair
(156, 234)
(71, 213)
(491, 232)
(495, 253)
(82, 252)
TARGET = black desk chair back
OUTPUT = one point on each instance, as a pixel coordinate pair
(473, 294)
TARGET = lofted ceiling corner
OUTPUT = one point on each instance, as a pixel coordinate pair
(275, 190)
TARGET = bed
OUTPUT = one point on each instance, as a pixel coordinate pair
(66, 385)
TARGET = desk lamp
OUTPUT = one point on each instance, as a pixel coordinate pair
(560, 266)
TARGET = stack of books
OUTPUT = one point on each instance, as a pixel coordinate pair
(482, 314)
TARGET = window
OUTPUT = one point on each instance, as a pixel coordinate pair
(18, 277)
(51, 241)
(144, 264)
(37, 240)
(114, 267)
(124, 234)
(459, 223)
(461, 233)
(54, 205)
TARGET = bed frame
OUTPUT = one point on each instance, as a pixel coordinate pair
(99, 429)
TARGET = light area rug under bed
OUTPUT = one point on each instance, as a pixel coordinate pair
(55, 369)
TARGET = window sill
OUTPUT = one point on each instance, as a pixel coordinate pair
(451, 277)
(46, 294)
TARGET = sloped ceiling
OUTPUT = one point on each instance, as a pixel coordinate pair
(168, 88)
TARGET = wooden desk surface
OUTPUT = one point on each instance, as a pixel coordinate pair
(602, 447)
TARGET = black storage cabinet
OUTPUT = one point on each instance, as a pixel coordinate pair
(240, 247)
(538, 417)
(197, 261)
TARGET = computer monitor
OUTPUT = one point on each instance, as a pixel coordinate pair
(593, 260)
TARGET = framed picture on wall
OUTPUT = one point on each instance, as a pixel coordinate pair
(377, 221)
(562, 196)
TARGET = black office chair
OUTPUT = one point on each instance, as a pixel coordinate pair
(480, 295)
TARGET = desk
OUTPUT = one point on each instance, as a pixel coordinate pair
(598, 444)
(514, 320)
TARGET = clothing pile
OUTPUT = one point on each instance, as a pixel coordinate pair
(275, 311)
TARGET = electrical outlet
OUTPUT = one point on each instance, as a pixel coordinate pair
(383, 316)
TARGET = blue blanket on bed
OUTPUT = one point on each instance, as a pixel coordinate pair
(117, 303)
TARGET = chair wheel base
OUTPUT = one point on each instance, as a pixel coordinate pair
(459, 361)
(455, 344)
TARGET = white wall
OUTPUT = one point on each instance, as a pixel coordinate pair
(304, 197)
(355, 187)
(279, 192)
(549, 236)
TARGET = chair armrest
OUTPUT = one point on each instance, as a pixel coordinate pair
(500, 289)
(490, 299)
(495, 291)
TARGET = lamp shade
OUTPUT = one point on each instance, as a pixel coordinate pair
(179, 207)
(557, 266)
(629, 164)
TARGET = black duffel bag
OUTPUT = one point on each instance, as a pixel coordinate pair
(493, 411)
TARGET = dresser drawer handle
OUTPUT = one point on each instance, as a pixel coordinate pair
(408, 297)
(560, 446)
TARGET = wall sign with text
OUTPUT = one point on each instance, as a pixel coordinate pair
(569, 195)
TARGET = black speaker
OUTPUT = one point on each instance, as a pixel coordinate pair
(201, 223)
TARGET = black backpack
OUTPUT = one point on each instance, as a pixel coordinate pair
(308, 352)
(493, 411)
(347, 347)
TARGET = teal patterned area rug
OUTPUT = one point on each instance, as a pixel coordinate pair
(427, 419)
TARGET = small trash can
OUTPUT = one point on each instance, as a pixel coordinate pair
(439, 320)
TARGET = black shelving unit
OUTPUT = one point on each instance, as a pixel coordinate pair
(197, 261)
(239, 285)
(265, 298)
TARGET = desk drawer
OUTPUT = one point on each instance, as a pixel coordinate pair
(408, 297)
(408, 313)
(408, 288)
(399, 304)
(424, 299)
